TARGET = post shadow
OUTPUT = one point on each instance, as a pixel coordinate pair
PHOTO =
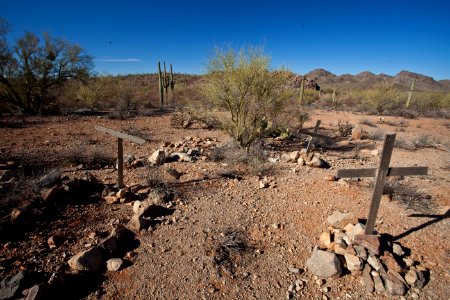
(436, 218)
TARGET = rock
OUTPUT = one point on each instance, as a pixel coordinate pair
(316, 162)
(375, 263)
(157, 158)
(38, 292)
(110, 245)
(348, 228)
(357, 229)
(121, 193)
(415, 278)
(301, 161)
(294, 155)
(397, 249)
(137, 223)
(393, 285)
(339, 237)
(374, 152)
(330, 178)
(89, 260)
(129, 197)
(55, 241)
(392, 264)
(340, 249)
(366, 279)
(263, 184)
(353, 262)
(141, 208)
(53, 195)
(109, 191)
(20, 215)
(369, 241)
(273, 159)
(324, 264)
(360, 251)
(294, 270)
(122, 234)
(357, 133)
(181, 157)
(340, 219)
(325, 239)
(111, 199)
(114, 264)
(378, 283)
(9, 286)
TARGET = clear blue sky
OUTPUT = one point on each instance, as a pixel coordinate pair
(340, 36)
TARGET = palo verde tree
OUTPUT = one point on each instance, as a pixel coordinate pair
(242, 83)
(31, 69)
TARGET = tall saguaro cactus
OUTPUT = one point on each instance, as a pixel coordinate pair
(408, 102)
(165, 81)
(302, 90)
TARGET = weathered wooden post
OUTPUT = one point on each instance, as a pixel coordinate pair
(380, 173)
(308, 148)
(120, 137)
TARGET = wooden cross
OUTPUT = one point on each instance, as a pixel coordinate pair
(120, 137)
(381, 173)
(313, 135)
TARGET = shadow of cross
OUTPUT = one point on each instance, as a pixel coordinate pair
(381, 173)
(120, 137)
(313, 135)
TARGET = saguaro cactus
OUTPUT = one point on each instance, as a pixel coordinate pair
(302, 90)
(333, 98)
(164, 82)
(408, 102)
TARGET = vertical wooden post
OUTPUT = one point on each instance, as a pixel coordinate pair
(308, 148)
(120, 163)
(379, 182)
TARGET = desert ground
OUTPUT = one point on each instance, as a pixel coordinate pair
(214, 200)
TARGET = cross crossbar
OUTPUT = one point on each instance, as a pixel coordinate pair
(380, 175)
(121, 135)
(395, 171)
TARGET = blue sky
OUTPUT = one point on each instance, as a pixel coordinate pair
(340, 36)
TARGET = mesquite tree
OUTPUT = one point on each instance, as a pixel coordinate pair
(31, 69)
(242, 83)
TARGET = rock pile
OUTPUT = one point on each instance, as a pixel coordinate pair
(382, 265)
(311, 159)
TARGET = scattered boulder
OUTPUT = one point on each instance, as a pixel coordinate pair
(55, 241)
(9, 286)
(353, 262)
(366, 279)
(316, 162)
(393, 285)
(325, 239)
(157, 158)
(89, 260)
(181, 157)
(114, 264)
(357, 133)
(340, 219)
(415, 278)
(378, 283)
(324, 264)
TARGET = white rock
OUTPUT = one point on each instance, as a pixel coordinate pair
(157, 158)
(114, 264)
(353, 262)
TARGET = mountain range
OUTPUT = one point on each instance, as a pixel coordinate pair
(364, 80)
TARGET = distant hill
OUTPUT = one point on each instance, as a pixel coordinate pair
(364, 80)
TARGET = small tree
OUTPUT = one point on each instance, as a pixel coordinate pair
(30, 69)
(242, 83)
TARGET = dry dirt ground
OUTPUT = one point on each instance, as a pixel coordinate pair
(277, 227)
